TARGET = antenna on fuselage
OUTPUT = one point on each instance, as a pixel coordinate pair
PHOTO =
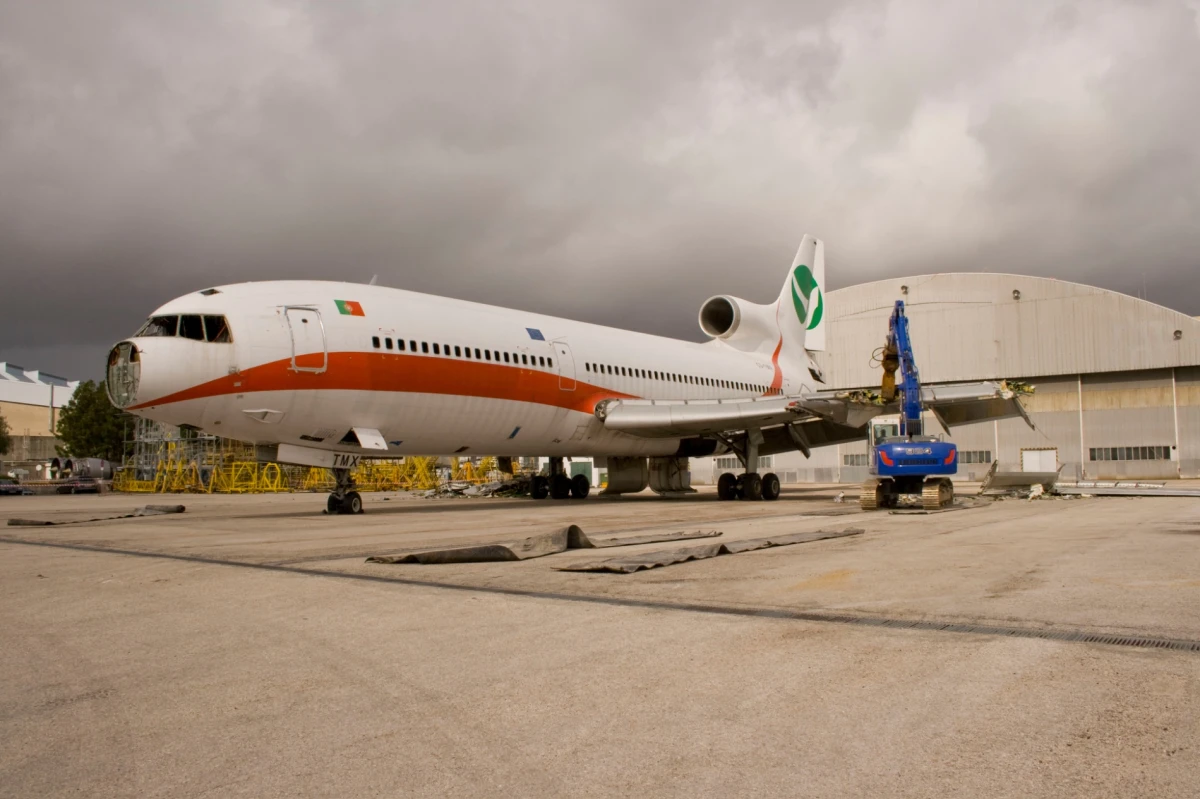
(374, 280)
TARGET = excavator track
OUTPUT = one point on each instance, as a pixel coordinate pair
(937, 494)
(868, 497)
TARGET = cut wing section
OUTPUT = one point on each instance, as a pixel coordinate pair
(966, 403)
(954, 404)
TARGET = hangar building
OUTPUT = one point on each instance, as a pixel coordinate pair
(1117, 378)
(30, 402)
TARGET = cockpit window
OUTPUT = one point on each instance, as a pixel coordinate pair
(216, 329)
(191, 327)
(158, 327)
(213, 329)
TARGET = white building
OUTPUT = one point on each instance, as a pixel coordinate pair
(30, 402)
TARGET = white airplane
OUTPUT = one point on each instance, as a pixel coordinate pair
(323, 374)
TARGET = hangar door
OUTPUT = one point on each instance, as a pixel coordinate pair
(1039, 460)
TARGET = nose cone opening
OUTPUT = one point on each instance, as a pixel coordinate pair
(123, 375)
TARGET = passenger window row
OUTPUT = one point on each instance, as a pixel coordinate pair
(671, 377)
(458, 351)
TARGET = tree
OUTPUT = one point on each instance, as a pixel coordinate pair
(90, 427)
(5, 438)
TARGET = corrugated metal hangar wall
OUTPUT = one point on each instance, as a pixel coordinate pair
(1117, 378)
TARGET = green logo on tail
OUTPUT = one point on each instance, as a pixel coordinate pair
(806, 296)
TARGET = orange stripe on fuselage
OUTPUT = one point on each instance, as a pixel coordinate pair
(777, 377)
(419, 374)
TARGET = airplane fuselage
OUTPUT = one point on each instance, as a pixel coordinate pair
(304, 362)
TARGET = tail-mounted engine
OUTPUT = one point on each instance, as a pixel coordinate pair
(744, 325)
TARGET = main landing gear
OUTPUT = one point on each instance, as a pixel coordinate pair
(750, 485)
(559, 485)
(344, 499)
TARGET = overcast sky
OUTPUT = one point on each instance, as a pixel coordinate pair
(614, 161)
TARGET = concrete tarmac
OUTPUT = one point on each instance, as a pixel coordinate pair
(244, 648)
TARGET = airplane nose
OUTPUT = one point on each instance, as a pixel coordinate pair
(123, 375)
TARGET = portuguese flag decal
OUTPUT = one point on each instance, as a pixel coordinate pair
(349, 308)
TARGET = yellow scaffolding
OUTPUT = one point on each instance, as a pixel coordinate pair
(167, 459)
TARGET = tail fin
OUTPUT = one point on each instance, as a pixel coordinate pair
(800, 309)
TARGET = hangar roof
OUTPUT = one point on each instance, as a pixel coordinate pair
(31, 387)
(980, 325)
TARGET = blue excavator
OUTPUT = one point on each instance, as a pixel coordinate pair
(904, 461)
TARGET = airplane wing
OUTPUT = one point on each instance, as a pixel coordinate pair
(831, 416)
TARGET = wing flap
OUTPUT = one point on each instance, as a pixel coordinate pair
(671, 418)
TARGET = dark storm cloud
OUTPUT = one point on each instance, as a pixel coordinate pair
(617, 162)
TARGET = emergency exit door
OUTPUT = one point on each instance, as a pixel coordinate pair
(566, 365)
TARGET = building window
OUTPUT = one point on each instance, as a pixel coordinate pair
(974, 456)
(855, 460)
(764, 462)
(1129, 453)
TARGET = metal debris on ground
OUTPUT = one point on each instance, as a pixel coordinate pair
(148, 510)
(959, 504)
(499, 488)
(536, 546)
(627, 564)
(1122, 488)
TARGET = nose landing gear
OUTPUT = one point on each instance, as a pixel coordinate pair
(344, 499)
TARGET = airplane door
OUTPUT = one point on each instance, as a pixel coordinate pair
(566, 365)
(309, 351)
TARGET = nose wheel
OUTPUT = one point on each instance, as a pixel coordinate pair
(350, 503)
(344, 500)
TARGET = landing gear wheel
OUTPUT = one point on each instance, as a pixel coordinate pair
(580, 486)
(560, 486)
(352, 503)
(770, 486)
(540, 487)
(727, 486)
(752, 487)
(333, 505)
